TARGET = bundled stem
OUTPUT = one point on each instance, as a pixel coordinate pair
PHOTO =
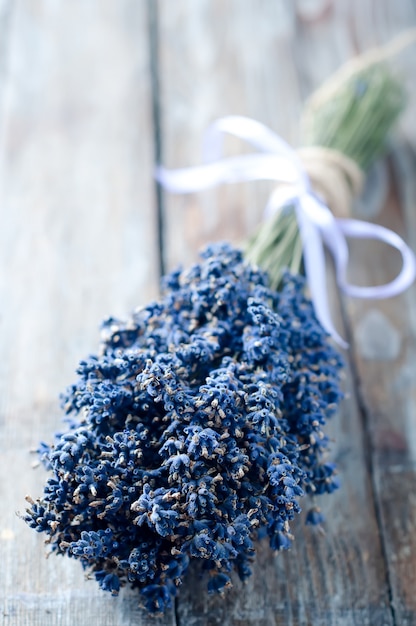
(354, 117)
(352, 114)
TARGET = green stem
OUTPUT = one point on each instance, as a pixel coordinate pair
(354, 121)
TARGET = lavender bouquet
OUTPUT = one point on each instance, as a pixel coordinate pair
(199, 426)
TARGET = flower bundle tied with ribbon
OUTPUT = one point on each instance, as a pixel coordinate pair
(199, 426)
(344, 126)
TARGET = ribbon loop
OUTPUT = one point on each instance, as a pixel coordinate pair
(276, 160)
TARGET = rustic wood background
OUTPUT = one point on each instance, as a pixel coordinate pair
(92, 94)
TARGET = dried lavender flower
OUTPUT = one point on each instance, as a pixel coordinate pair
(196, 430)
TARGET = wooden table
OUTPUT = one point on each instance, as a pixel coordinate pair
(92, 94)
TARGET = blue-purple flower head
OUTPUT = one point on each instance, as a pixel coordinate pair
(197, 429)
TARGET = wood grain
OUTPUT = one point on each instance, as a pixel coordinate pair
(387, 384)
(77, 243)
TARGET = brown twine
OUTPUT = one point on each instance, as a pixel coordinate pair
(333, 175)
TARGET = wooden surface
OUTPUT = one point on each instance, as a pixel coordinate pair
(91, 94)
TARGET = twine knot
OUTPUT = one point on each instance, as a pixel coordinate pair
(333, 176)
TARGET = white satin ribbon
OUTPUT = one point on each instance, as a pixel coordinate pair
(276, 160)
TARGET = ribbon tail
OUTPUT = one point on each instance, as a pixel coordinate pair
(248, 129)
(314, 259)
(255, 166)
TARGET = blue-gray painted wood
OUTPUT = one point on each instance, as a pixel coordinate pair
(79, 241)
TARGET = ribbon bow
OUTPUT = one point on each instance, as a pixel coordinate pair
(278, 161)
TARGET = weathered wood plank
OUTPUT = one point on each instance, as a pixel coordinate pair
(385, 362)
(384, 335)
(224, 61)
(261, 59)
(77, 243)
